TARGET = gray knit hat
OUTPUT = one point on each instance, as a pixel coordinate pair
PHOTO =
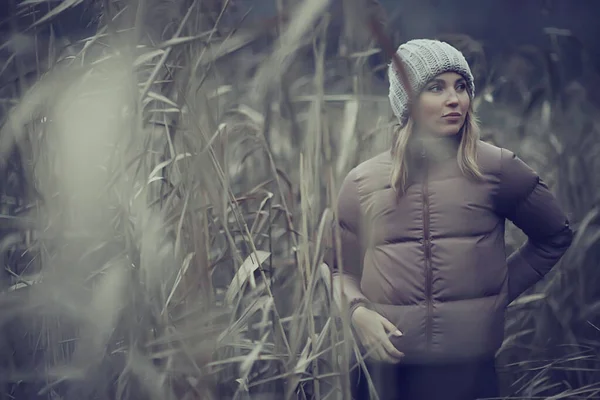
(424, 59)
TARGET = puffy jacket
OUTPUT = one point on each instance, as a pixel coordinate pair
(433, 260)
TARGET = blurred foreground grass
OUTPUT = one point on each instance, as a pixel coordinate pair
(171, 177)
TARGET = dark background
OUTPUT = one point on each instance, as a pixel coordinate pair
(500, 24)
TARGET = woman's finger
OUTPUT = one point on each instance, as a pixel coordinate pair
(392, 350)
(376, 351)
(381, 354)
(368, 346)
(386, 357)
(389, 327)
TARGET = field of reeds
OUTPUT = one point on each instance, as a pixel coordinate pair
(167, 181)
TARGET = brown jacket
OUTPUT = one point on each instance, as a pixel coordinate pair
(433, 261)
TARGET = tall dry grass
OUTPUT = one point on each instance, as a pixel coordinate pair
(173, 174)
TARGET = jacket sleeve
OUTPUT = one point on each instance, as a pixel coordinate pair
(525, 199)
(346, 266)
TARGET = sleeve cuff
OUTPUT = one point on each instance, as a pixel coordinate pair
(521, 275)
(355, 303)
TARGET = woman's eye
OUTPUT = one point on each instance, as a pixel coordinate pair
(435, 88)
(461, 87)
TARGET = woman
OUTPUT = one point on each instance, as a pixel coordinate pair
(422, 264)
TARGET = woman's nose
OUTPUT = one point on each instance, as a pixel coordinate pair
(452, 98)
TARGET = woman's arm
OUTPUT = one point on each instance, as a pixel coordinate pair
(525, 199)
(346, 266)
(371, 328)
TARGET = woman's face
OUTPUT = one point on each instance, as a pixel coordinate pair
(443, 104)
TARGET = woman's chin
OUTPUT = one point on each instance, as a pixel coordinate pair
(448, 132)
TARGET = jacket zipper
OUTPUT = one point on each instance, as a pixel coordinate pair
(427, 247)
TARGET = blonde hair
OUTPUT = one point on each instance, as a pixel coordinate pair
(467, 152)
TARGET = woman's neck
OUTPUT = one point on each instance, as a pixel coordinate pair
(436, 146)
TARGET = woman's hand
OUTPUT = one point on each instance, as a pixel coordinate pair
(372, 329)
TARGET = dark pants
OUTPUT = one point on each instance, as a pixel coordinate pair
(465, 381)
